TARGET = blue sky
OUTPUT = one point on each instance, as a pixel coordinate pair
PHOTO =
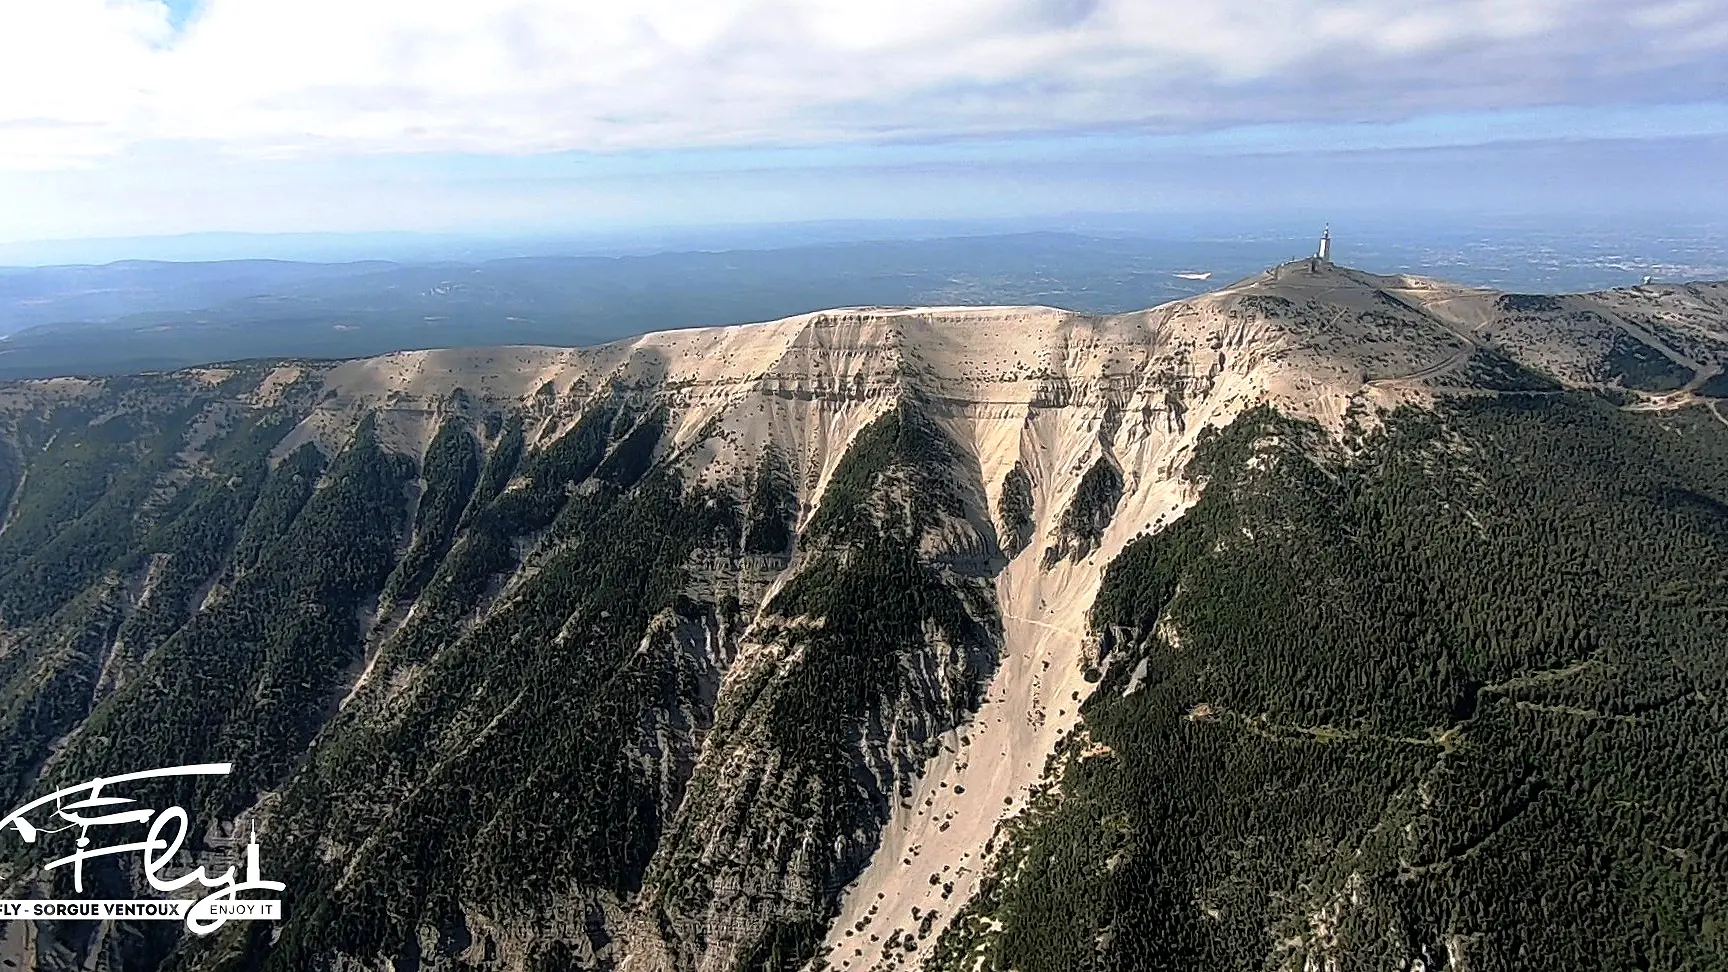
(137, 117)
(179, 11)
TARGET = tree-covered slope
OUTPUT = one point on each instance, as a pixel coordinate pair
(1451, 697)
(467, 696)
(132, 509)
(871, 652)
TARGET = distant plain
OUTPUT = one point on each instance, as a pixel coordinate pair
(141, 315)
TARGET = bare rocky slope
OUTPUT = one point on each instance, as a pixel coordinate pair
(711, 649)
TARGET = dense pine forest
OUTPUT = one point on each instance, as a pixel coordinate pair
(1451, 694)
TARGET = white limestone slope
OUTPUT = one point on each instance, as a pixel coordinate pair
(1322, 344)
(934, 848)
(1008, 385)
(1051, 390)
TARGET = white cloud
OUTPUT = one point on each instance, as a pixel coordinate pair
(85, 78)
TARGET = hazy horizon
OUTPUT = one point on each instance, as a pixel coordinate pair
(458, 247)
(143, 119)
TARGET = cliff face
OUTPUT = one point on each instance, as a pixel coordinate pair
(714, 649)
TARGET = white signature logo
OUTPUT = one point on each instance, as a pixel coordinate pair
(163, 841)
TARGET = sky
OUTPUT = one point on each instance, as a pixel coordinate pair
(123, 118)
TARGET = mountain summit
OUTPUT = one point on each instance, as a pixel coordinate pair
(1325, 619)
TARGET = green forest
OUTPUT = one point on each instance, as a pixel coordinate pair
(1450, 694)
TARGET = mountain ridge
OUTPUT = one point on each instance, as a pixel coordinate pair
(686, 510)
